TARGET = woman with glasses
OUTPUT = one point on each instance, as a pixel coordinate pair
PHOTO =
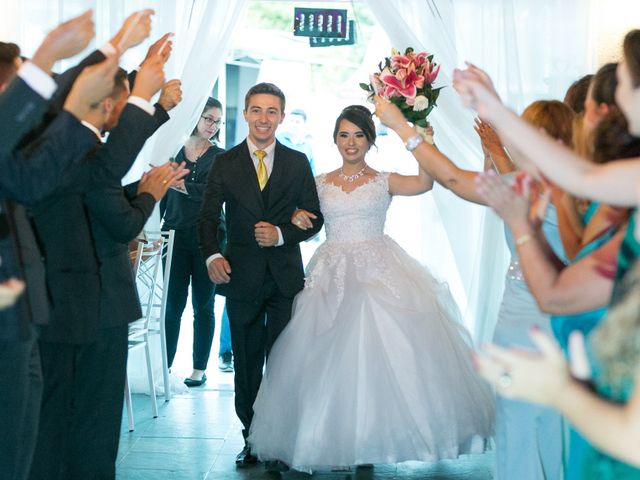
(179, 211)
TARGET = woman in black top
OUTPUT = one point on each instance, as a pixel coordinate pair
(179, 210)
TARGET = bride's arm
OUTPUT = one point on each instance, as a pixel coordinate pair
(409, 185)
(438, 166)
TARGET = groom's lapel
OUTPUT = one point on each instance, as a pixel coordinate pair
(278, 172)
(249, 192)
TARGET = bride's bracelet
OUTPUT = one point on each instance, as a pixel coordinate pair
(412, 143)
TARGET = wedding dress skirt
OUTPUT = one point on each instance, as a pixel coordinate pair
(374, 365)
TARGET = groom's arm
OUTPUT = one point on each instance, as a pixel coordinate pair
(209, 219)
(308, 200)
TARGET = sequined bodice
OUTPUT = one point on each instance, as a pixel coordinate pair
(354, 216)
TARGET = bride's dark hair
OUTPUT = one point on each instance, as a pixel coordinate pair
(360, 116)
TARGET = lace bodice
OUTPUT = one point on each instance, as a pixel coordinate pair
(354, 216)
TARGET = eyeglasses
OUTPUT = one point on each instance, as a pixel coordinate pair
(212, 121)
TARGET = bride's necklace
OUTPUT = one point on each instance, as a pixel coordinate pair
(352, 178)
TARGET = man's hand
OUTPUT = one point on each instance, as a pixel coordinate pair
(10, 291)
(150, 78)
(171, 94)
(134, 30)
(91, 86)
(219, 270)
(266, 234)
(158, 180)
(66, 40)
(161, 47)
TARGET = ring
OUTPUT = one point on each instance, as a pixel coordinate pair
(164, 182)
(505, 380)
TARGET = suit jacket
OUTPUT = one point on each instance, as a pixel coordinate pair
(117, 216)
(21, 109)
(115, 220)
(28, 176)
(233, 182)
(62, 224)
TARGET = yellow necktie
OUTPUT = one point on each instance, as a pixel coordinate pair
(263, 178)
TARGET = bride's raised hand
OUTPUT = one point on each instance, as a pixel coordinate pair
(302, 219)
(388, 113)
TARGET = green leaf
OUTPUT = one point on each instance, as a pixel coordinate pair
(366, 87)
(430, 58)
(421, 123)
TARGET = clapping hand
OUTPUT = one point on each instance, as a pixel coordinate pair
(489, 139)
(134, 30)
(161, 47)
(159, 179)
(92, 85)
(477, 91)
(10, 291)
(535, 376)
(171, 94)
(512, 205)
(150, 78)
(302, 219)
(66, 40)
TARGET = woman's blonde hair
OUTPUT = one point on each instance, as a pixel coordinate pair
(554, 116)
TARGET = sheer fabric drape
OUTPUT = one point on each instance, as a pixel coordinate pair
(533, 50)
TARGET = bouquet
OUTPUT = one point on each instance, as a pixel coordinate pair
(407, 80)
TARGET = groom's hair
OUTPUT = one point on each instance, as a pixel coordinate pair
(264, 88)
(360, 116)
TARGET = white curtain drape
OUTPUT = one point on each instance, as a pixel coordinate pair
(533, 50)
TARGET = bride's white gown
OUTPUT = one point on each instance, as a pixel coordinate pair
(374, 366)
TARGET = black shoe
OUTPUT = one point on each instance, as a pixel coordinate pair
(245, 458)
(276, 466)
(190, 382)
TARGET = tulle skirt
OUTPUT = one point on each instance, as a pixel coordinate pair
(374, 367)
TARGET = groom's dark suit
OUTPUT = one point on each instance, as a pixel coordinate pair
(263, 280)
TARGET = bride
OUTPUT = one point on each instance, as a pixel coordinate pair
(374, 366)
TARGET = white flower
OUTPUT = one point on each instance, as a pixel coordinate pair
(421, 103)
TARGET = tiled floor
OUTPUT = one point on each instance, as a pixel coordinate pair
(197, 436)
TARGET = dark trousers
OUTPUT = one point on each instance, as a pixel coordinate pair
(20, 394)
(81, 411)
(255, 326)
(188, 266)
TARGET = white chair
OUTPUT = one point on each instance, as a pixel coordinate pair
(145, 264)
(157, 286)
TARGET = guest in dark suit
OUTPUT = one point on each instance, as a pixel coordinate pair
(260, 182)
(180, 210)
(21, 107)
(76, 352)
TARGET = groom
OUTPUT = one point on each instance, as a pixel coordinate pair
(260, 182)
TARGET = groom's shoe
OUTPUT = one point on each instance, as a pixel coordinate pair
(245, 458)
(276, 466)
